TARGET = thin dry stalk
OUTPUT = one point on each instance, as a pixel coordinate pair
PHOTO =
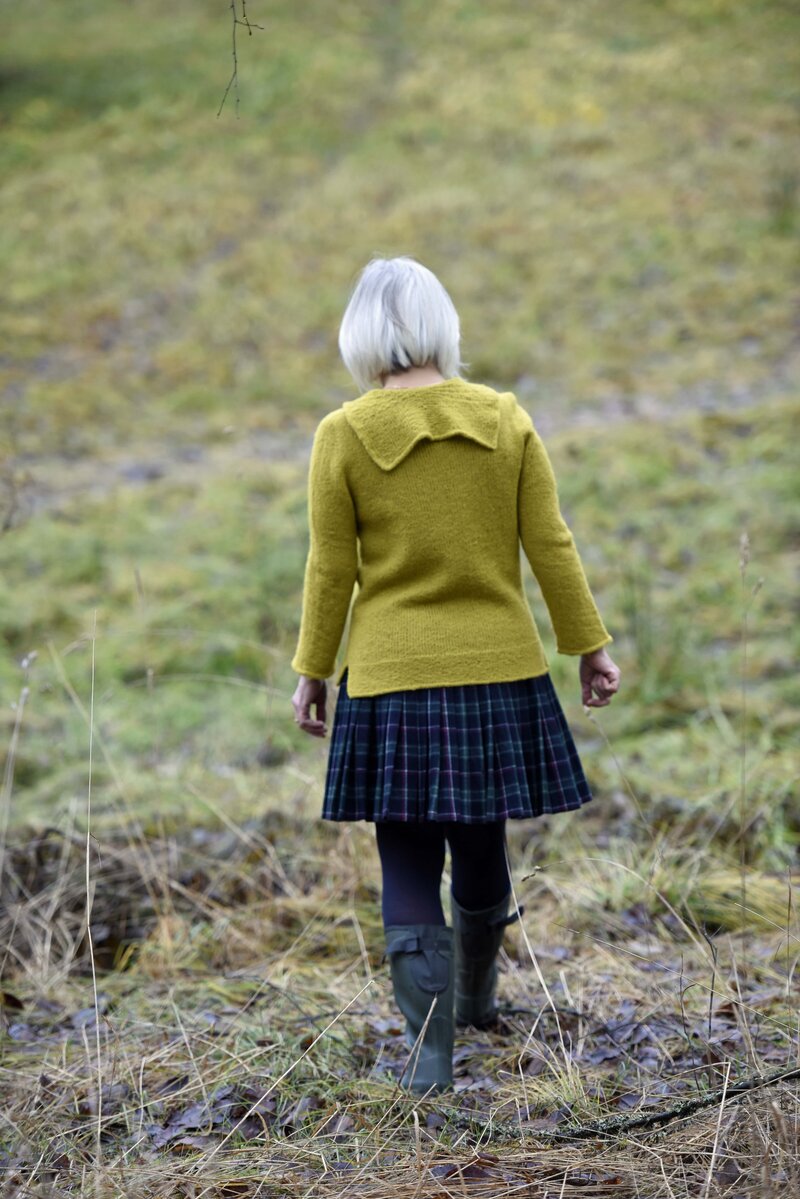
(89, 897)
(11, 758)
(567, 1065)
(141, 843)
(716, 1133)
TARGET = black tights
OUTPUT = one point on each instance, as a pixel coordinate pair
(412, 859)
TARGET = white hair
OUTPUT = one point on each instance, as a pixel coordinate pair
(399, 316)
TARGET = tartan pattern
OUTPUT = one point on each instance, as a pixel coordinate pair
(474, 753)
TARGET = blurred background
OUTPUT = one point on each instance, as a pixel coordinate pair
(610, 193)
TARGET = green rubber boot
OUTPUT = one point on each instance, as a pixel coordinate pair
(478, 937)
(421, 961)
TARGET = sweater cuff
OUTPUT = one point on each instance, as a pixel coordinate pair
(309, 670)
(589, 649)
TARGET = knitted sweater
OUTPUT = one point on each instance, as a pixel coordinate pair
(420, 497)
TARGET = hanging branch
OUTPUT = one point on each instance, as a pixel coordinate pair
(249, 25)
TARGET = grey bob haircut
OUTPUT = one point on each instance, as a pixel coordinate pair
(399, 316)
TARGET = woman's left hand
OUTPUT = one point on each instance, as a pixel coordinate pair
(599, 674)
(310, 693)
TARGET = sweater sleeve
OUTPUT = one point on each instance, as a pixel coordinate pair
(332, 563)
(550, 549)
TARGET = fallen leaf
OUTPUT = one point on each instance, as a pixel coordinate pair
(176, 1083)
(386, 1027)
(337, 1126)
(113, 1096)
(200, 1115)
(21, 1032)
(727, 1172)
(535, 1066)
(595, 1057)
(189, 1143)
(309, 1103)
(555, 1117)
(455, 1170)
(83, 1018)
(252, 1127)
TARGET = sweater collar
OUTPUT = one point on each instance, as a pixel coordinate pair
(390, 422)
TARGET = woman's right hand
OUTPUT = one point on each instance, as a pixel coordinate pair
(599, 676)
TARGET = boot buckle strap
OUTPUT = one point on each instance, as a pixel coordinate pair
(429, 964)
(402, 945)
(504, 922)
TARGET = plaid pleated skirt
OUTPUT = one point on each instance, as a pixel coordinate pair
(474, 753)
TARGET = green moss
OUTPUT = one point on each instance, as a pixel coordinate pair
(617, 240)
(616, 234)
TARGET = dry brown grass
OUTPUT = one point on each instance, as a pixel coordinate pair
(244, 1040)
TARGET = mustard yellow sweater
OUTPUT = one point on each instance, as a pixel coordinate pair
(419, 498)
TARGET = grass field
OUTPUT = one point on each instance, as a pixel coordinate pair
(611, 195)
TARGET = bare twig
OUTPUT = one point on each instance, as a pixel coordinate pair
(620, 1126)
(249, 25)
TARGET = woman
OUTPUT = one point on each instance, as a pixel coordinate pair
(446, 723)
